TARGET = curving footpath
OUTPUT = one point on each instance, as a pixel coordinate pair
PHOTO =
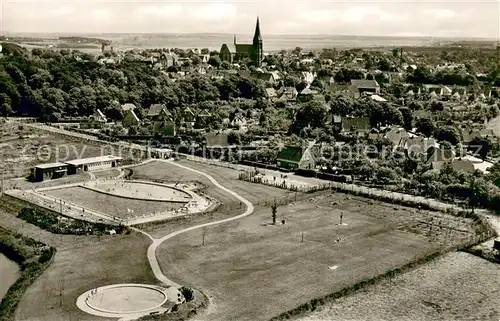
(151, 253)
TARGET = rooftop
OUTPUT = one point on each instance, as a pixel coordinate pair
(50, 165)
(92, 160)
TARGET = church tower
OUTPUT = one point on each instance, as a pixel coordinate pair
(258, 52)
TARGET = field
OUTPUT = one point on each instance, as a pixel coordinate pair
(227, 177)
(22, 147)
(111, 205)
(79, 266)
(255, 271)
(458, 286)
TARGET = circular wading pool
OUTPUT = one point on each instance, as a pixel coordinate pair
(125, 298)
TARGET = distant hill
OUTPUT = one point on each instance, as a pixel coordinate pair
(84, 40)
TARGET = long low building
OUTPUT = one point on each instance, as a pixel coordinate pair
(93, 163)
(43, 172)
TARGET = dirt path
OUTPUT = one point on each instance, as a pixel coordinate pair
(157, 242)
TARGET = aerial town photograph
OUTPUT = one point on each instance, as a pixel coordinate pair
(167, 160)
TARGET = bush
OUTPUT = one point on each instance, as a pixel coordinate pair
(187, 293)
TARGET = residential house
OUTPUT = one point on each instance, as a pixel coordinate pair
(158, 112)
(343, 90)
(364, 85)
(239, 121)
(435, 91)
(378, 98)
(128, 106)
(169, 60)
(335, 121)
(203, 119)
(271, 93)
(289, 93)
(188, 116)
(439, 154)
(165, 127)
(293, 158)
(467, 164)
(265, 76)
(306, 76)
(98, 117)
(418, 145)
(307, 94)
(446, 92)
(130, 119)
(396, 135)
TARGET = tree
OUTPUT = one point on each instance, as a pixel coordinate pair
(310, 114)
(407, 118)
(480, 146)
(188, 293)
(425, 126)
(448, 133)
(274, 211)
(214, 61)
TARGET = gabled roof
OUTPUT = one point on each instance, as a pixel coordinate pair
(291, 154)
(204, 113)
(271, 92)
(128, 106)
(131, 113)
(440, 155)
(156, 109)
(308, 91)
(99, 115)
(365, 84)
(243, 48)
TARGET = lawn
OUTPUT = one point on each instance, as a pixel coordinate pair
(80, 266)
(229, 178)
(110, 205)
(458, 286)
(255, 271)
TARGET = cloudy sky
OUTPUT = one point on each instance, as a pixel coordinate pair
(468, 18)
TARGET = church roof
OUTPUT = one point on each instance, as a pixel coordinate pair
(243, 48)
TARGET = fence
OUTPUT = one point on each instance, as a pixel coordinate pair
(381, 195)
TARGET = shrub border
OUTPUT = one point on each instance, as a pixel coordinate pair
(29, 274)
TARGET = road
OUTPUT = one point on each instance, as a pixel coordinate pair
(151, 253)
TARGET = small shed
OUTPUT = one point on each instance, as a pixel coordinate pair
(43, 172)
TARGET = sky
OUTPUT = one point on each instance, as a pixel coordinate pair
(464, 19)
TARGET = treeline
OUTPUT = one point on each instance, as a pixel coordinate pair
(53, 84)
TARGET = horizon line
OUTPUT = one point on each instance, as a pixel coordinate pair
(6, 33)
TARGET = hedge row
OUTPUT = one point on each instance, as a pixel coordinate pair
(32, 256)
(57, 224)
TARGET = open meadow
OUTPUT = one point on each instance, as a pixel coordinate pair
(230, 206)
(457, 286)
(255, 271)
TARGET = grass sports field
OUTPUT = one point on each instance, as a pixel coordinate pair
(255, 271)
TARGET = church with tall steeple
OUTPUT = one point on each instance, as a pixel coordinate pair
(236, 52)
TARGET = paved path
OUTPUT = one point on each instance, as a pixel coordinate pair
(157, 242)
